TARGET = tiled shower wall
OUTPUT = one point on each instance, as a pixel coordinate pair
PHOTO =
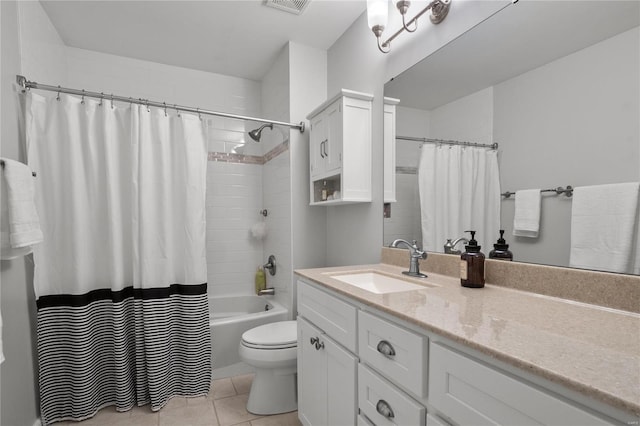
(236, 189)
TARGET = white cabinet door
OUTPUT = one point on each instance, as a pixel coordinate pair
(332, 149)
(473, 393)
(327, 375)
(341, 384)
(312, 376)
(317, 144)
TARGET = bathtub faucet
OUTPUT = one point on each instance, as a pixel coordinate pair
(267, 292)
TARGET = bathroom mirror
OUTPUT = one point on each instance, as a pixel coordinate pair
(555, 84)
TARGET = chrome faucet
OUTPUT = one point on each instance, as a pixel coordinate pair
(415, 254)
(450, 247)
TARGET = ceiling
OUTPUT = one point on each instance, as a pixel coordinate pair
(240, 38)
(520, 37)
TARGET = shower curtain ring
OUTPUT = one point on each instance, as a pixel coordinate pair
(165, 108)
(82, 101)
(177, 109)
(58, 95)
(199, 116)
(112, 101)
(101, 98)
(147, 104)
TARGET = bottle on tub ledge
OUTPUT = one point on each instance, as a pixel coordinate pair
(501, 249)
(472, 264)
(261, 280)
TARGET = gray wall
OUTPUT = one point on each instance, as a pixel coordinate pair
(18, 371)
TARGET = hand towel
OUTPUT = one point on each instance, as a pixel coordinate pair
(526, 220)
(19, 225)
(604, 227)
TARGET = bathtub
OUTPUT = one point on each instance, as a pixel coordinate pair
(230, 316)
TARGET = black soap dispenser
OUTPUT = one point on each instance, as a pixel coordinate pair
(472, 264)
(501, 249)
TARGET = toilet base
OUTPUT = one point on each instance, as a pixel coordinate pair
(273, 391)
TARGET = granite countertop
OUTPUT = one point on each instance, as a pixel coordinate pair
(588, 348)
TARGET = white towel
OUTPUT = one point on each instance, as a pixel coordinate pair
(19, 224)
(604, 227)
(526, 220)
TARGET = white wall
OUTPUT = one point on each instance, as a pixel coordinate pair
(354, 232)
(18, 389)
(572, 122)
(308, 89)
(277, 178)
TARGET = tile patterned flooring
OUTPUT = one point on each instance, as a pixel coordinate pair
(224, 406)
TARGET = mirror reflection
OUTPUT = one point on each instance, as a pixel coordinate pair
(555, 85)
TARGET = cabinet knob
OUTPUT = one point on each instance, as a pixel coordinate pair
(385, 348)
(384, 409)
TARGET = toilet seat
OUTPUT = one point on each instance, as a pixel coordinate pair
(275, 335)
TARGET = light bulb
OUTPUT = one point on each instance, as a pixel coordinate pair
(377, 13)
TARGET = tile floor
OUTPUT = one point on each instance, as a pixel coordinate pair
(224, 406)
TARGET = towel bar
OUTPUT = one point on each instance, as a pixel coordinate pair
(568, 191)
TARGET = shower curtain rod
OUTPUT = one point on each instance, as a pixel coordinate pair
(26, 84)
(447, 142)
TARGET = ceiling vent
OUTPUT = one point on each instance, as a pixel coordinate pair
(292, 6)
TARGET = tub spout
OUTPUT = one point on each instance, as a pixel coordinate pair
(267, 292)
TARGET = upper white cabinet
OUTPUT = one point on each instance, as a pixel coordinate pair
(389, 142)
(340, 149)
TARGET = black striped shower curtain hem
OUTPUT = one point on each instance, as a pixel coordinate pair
(123, 348)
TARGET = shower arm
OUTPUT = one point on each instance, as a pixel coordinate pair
(26, 84)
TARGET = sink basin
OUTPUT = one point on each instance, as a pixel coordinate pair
(377, 283)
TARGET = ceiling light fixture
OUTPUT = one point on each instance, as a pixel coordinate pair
(377, 16)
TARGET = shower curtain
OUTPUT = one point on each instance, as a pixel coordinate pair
(120, 279)
(459, 190)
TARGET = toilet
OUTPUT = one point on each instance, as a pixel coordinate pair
(272, 350)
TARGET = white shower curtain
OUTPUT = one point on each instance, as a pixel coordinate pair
(459, 191)
(120, 278)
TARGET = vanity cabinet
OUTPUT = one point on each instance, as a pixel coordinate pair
(340, 149)
(470, 392)
(326, 368)
(382, 370)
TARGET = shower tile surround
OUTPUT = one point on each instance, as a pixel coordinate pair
(237, 189)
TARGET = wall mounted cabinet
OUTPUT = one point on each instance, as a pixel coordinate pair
(389, 142)
(340, 149)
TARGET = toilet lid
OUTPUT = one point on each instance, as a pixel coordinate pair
(275, 335)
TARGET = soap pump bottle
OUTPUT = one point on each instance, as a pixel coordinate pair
(261, 280)
(472, 264)
(501, 249)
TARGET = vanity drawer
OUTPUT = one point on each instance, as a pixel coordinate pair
(332, 315)
(405, 361)
(470, 392)
(384, 404)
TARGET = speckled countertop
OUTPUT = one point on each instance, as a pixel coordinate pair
(588, 348)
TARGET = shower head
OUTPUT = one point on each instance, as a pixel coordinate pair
(255, 133)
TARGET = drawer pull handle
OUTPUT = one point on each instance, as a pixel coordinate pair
(384, 409)
(386, 349)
